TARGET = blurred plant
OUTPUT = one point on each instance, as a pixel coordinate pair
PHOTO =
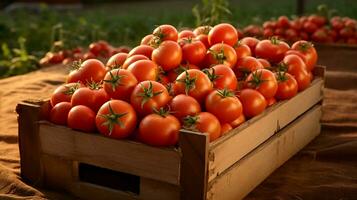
(211, 12)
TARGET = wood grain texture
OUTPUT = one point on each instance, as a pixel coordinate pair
(246, 174)
(193, 177)
(121, 155)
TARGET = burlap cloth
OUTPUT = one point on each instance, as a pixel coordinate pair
(325, 169)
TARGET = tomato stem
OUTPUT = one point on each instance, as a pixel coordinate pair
(112, 118)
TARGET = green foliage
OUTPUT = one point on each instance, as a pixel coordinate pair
(211, 12)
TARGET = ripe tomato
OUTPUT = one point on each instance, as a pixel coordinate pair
(225, 128)
(144, 70)
(307, 49)
(89, 70)
(193, 82)
(147, 40)
(93, 97)
(204, 122)
(268, 32)
(245, 66)
(183, 105)
(318, 20)
(224, 105)
(273, 50)
(100, 48)
(119, 84)
(116, 61)
(225, 33)
(64, 93)
(186, 34)
(193, 51)
(202, 30)
(116, 119)
(283, 22)
(222, 77)
(291, 34)
(159, 130)
(81, 118)
(263, 81)
(253, 102)
(141, 50)
(297, 68)
(221, 54)
(173, 74)
(59, 113)
(310, 27)
(168, 55)
(204, 39)
(242, 50)
(264, 62)
(238, 121)
(271, 101)
(133, 59)
(166, 32)
(287, 86)
(251, 42)
(149, 95)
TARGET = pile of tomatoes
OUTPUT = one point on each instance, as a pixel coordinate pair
(203, 80)
(313, 28)
(100, 50)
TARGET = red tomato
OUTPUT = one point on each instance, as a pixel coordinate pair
(242, 50)
(64, 93)
(287, 86)
(173, 74)
(59, 113)
(283, 22)
(318, 20)
(88, 71)
(291, 34)
(203, 39)
(309, 51)
(251, 42)
(149, 95)
(168, 55)
(193, 51)
(269, 24)
(271, 101)
(268, 32)
(225, 33)
(202, 30)
(166, 32)
(81, 118)
(144, 70)
(159, 130)
(296, 24)
(117, 60)
(263, 81)
(133, 59)
(93, 97)
(297, 68)
(238, 121)
(245, 66)
(320, 36)
(222, 77)
(148, 40)
(186, 34)
(224, 105)
(253, 102)
(184, 105)
(193, 82)
(116, 119)
(204, 122)
(264, 62)
(273, 50)
(225, 128)
(119, 84)
(142, 50)
(221, 54)
(100, 48)
(310, 27)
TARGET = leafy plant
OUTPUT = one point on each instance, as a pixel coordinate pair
(211, 12)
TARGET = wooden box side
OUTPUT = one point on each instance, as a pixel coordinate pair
(227, 150)
(242, 177)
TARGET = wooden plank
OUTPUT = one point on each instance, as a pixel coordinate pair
(193, 177)
(161, 164)
(29, 145)
(153, 190)
(246, 174)
(251, 134)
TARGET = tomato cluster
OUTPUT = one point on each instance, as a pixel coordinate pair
(314, 27)
(100, 50)
(204, 80)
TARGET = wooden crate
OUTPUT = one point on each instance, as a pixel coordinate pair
(338, 57)
(91, 166)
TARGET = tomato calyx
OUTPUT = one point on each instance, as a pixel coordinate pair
(162, 112)
(275, 40)
(281, 76)
(155, 41)
(115, 80)
(189, 122)
(211, 74)
(116, 65)
(112, 119)
(94, 85)
(76, 65)
(188, 82)
(224, 93)
(282, 67)
(218, 55)
(305, 46)
(256, 79)
(147, 93)
(71, 89)
(180, 69)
